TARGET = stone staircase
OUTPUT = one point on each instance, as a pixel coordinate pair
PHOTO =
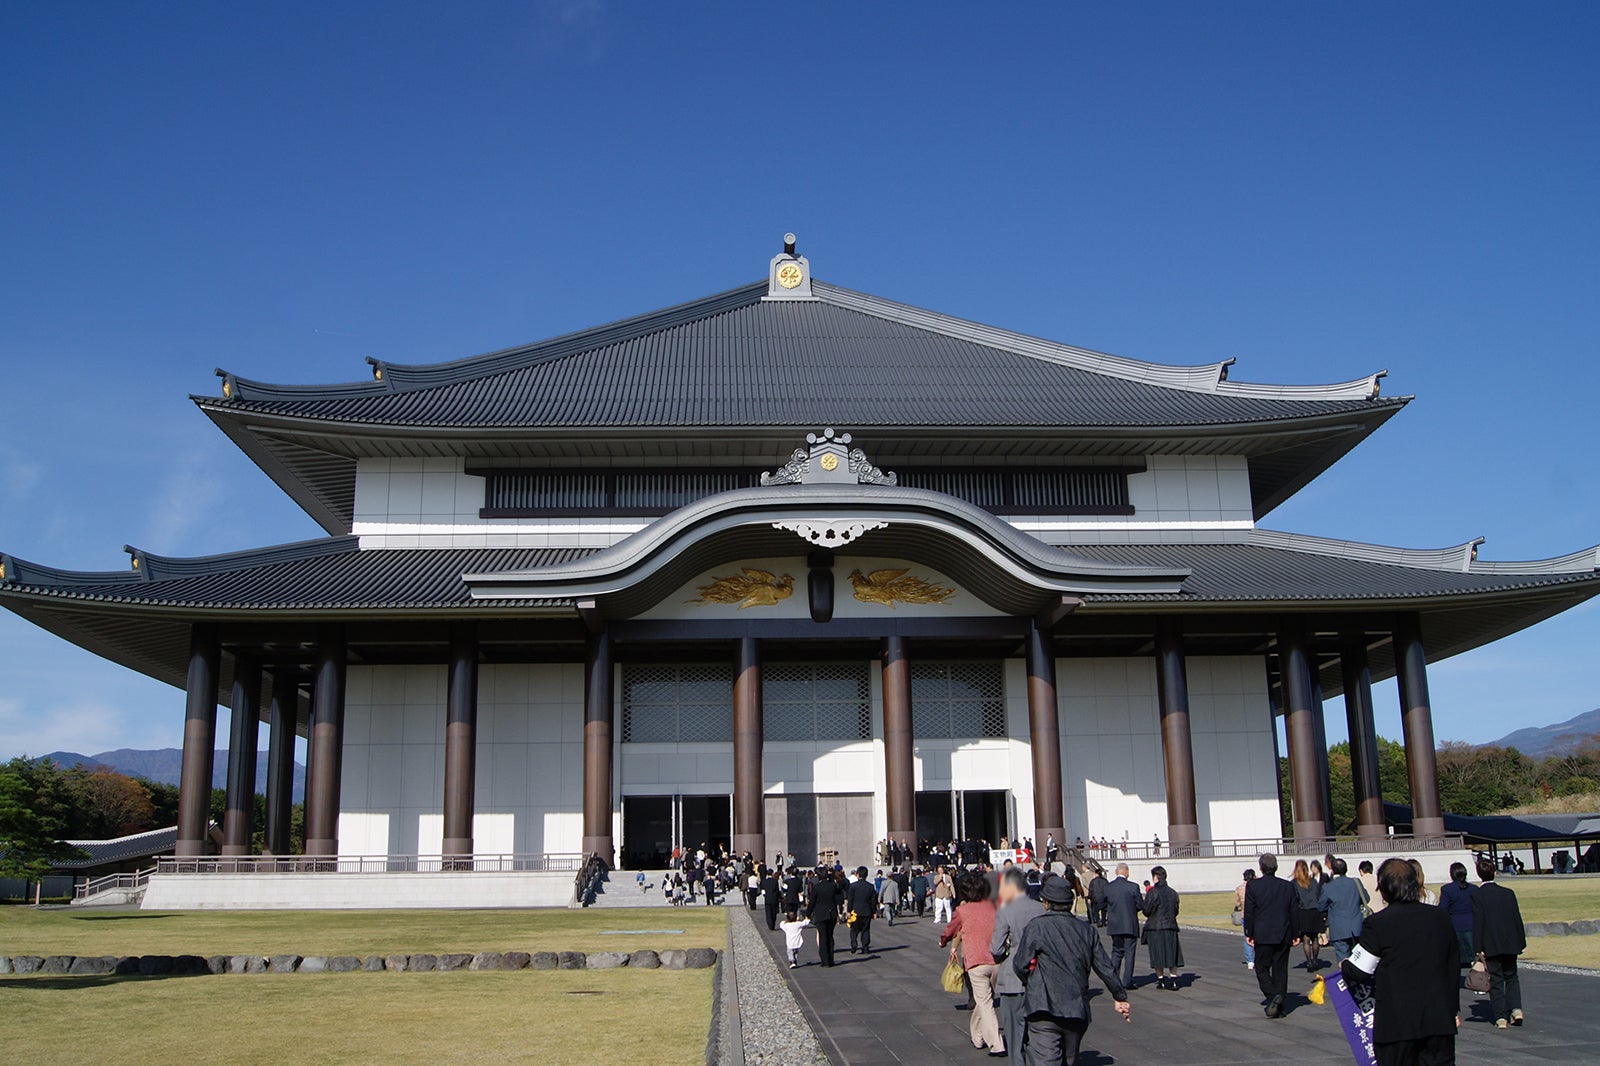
(621, 889)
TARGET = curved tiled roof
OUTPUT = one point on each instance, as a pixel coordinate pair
(845, 358)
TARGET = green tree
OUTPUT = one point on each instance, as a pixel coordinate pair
(31, 819)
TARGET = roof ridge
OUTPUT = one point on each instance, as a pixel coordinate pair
(389, 377)
(1461, 558)
(153, 567)
(407, 377)
(1208, 377)
(148, 566)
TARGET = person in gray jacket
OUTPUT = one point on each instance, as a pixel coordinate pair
(1342, 898)
(1016, 911)
(1053, 958)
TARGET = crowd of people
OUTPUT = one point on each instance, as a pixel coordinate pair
(1024, 959)
(1390, 934)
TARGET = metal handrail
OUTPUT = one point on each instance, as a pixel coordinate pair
(538, 862)
(1117, 850)
(110, 882)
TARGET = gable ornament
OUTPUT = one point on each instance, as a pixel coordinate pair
(828, 459)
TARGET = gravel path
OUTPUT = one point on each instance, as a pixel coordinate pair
(776, 1032)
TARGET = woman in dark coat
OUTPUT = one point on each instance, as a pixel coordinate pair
(1161, 930)
(1309, 921)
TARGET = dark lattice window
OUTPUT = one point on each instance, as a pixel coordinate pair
(1087, 490)
(667, 704)
(816, 701)
(511, 493)
(529, 493)
(957, 700)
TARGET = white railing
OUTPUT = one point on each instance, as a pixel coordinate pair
(539, 862)
(1118, 850)
(110, 882)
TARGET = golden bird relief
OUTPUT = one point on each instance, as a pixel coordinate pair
(887, 586)
(753, 588)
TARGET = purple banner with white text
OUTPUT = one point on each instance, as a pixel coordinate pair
(1354, 1006)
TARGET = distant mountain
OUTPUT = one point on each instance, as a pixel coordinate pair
(1539, 741)
(164, 765)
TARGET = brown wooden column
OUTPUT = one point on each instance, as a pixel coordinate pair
(1416, 722)
(1319, 721)
(1357, 673)
(597, 718)
(1177, 744)
(239, 813)
(899, 769)
(460, 745)
(325, 747)
(283, 713)
(1044, 740)
(1299, 705)
(199, 740)
(749, 803)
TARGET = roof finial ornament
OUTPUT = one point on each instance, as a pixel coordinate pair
(789, 274)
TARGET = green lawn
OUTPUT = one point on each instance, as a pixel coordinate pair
(644, 1016)
(25, 931)
(1542, 899)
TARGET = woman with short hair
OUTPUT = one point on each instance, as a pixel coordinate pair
(1409, 953)
(1161, 930)
(974, 923)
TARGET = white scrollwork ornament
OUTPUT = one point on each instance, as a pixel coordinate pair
(830, 534)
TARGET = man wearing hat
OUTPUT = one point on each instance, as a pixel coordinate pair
(1053, 958)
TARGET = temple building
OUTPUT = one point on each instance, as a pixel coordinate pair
(792, 568)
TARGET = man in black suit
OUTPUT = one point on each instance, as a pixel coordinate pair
(1497, 931)
(1269, 928)
(1123, 904)
(770, 890)
(1410, 953)
(861, 897)
(1097, 898)
(823, 910)
(792, 887)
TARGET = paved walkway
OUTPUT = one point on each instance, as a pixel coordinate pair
(889, 1008)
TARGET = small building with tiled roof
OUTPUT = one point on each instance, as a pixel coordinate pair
(793, 569)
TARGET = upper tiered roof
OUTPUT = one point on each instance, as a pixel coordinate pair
(729, 375)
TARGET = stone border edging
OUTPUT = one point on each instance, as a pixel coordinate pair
(784, 1037)
(191, 965)
(1582, 927)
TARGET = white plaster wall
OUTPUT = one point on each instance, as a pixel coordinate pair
(1235, 768)
(434, 503)
(529, 760)
(1178, 499)
(1112, 764)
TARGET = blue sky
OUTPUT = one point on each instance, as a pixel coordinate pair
(1316, 190)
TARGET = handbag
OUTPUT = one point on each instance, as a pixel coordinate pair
(1238, 918)
(1478, 976)
(951, 977)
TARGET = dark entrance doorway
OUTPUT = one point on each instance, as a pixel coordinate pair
(936, 818)
(986, 816)
(646, 832)
(706, 820)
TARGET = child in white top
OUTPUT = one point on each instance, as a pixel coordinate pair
(793, 936)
